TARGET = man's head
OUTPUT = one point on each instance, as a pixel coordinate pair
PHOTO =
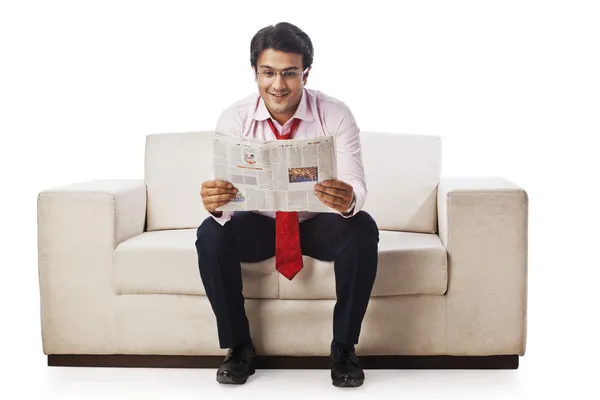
(281, 57)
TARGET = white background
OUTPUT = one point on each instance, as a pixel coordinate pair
(512, 87)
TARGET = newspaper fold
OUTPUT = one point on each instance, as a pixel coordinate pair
(277, 175)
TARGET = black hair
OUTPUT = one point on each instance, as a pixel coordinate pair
(282, 37)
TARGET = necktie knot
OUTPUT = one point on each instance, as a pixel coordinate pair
(286, 132)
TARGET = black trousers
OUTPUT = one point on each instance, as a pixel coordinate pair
(250, 237)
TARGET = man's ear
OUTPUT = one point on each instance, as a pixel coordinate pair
(254, 71)
(305, 77)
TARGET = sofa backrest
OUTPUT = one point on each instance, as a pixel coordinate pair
(402, 172)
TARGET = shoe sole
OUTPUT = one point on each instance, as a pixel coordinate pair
(347, 383)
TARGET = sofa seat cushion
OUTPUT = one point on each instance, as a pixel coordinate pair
(165, 262)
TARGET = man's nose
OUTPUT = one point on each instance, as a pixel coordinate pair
(278, 83)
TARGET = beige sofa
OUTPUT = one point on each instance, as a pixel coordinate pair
(120, 285)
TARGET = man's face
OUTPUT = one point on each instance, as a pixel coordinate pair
(281, 95)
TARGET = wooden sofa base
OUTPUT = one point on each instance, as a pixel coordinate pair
(284, 362)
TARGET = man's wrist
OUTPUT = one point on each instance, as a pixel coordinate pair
(352, 204)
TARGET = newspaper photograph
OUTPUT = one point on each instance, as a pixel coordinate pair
(277, 175)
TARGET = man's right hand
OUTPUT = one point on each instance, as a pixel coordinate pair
(216, 194)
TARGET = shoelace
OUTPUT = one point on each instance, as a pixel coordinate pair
(344, 356)
(236, 355)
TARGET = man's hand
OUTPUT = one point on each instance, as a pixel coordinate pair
(216, 194)
(335, 194)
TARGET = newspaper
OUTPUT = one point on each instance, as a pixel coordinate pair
(277, 175)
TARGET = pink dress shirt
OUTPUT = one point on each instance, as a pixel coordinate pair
(320, 115)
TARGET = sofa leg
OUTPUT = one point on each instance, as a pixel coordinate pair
(284, 362)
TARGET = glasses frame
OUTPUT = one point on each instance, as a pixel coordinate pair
(258, 75)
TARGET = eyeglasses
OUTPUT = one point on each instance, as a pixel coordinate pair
(269, 74)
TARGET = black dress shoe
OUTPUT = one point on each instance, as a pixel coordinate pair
(345, 369)
(238, 365)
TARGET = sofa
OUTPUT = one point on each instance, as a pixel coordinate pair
(120, 286)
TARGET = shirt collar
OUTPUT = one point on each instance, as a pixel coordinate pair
(302, 112)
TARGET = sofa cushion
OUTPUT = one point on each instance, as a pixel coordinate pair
(402, 172)
(165, 262)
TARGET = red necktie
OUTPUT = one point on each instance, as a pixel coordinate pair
(288, 255)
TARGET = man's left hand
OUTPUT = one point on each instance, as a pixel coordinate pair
(335, 194)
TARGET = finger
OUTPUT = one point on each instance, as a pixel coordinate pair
(217, 199)
(334, 183)
(343, 194)
(217, 184)
(216, 191)
(331, 205)
(332, 199)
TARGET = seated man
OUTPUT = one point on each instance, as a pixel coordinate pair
(281, 57)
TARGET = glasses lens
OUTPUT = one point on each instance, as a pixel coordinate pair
(269, 74)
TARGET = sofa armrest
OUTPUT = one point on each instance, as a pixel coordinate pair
(483, 223)
(79, 226)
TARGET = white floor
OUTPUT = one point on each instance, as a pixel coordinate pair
(78, 383)
(539, 374)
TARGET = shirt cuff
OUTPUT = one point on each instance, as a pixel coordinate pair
(352, 206)
(359, 197)
(223, 218)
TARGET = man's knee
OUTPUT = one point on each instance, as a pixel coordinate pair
(209, 234)
(361, 228)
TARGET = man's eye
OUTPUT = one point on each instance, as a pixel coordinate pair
(289, 74)
(268, 74)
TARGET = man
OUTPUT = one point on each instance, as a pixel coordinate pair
(281, 58)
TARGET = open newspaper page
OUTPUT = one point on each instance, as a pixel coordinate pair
(277, 175)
